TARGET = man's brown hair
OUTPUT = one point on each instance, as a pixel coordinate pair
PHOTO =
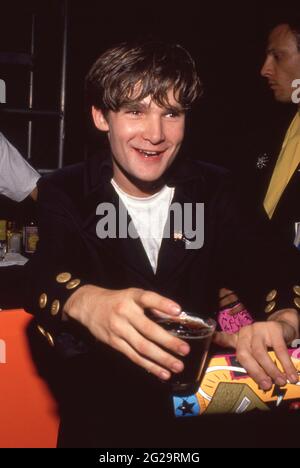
(127, 73)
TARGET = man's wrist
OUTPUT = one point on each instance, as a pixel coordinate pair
(79, 301)
(289, 319)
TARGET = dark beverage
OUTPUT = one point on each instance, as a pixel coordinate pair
(198, 334)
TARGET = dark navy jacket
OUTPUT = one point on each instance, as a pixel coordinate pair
(102, 391)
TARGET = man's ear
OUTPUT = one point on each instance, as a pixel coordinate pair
(99, 119)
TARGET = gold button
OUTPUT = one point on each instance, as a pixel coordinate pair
(271, 296)
(55, 307)
(63, 277)
(270, 307)
(297, 290)
(297, 302)
(41, 330)
(50, 339)
(73, 284)
(43, 301)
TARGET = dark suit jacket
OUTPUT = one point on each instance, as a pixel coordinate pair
(102, 390)
(255, 173)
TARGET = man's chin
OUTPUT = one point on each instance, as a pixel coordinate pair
(283, 98)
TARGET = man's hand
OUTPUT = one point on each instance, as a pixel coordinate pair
(252, 343)
(117, 318)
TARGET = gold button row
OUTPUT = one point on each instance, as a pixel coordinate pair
(62, 278)
(270, 307)
(65, 277)
(271, 296)
(297, 290)
(47, 335)
(55, 307)
(43, 301)
(73, 284)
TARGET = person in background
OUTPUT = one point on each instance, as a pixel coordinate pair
(282, 191)
(91, 290)
(18, 179)
(18, 183)
(278, 184)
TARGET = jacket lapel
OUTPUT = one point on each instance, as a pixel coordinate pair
(288, 204)
(174, 252)
(128, 251)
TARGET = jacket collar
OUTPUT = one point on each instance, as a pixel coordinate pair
(98, 174)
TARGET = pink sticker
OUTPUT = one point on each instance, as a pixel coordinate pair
(233, 323)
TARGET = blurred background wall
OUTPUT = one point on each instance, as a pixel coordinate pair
(227, 39)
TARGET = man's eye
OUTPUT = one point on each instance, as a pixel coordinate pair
(134, 112)
(172, 114)
(277, 57)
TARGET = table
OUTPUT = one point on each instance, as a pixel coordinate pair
(227, 388)
(28, 412)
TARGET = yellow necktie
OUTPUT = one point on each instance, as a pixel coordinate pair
(287, 163)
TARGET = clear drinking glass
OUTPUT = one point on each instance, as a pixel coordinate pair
(198, 333)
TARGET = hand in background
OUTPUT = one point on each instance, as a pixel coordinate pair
(252, 343)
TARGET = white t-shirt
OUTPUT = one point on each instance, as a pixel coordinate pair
(17, 178)
(149, 216)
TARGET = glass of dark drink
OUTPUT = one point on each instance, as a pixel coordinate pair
(198, 333)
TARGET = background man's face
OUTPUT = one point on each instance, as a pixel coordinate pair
(145, 139)
(282, 64)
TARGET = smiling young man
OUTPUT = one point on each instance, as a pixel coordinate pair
(145, 139)
(91, 295)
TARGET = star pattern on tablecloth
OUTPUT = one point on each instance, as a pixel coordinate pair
(186, 407)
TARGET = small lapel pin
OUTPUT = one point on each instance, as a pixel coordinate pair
(262, 161)
(179, 236)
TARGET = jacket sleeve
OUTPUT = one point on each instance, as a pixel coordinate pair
(252, 260)
(59, 267)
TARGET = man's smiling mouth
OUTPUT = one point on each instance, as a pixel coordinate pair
(149, 154)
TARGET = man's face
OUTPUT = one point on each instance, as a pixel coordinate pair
(145, 139)
(282, 64)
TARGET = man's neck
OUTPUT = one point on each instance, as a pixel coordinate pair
(135, 187)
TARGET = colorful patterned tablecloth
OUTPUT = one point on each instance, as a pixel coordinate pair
(227, 388)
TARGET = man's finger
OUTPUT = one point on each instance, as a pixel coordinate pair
(158, 314)
(152, 300)
(260, 353)
(282, 354)
(157, 334)
(145, 350)
(245, 357)
(141, 361)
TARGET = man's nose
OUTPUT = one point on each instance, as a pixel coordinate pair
(153, 130)
(267, 68)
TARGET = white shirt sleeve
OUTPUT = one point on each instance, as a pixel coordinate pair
(17, 177)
